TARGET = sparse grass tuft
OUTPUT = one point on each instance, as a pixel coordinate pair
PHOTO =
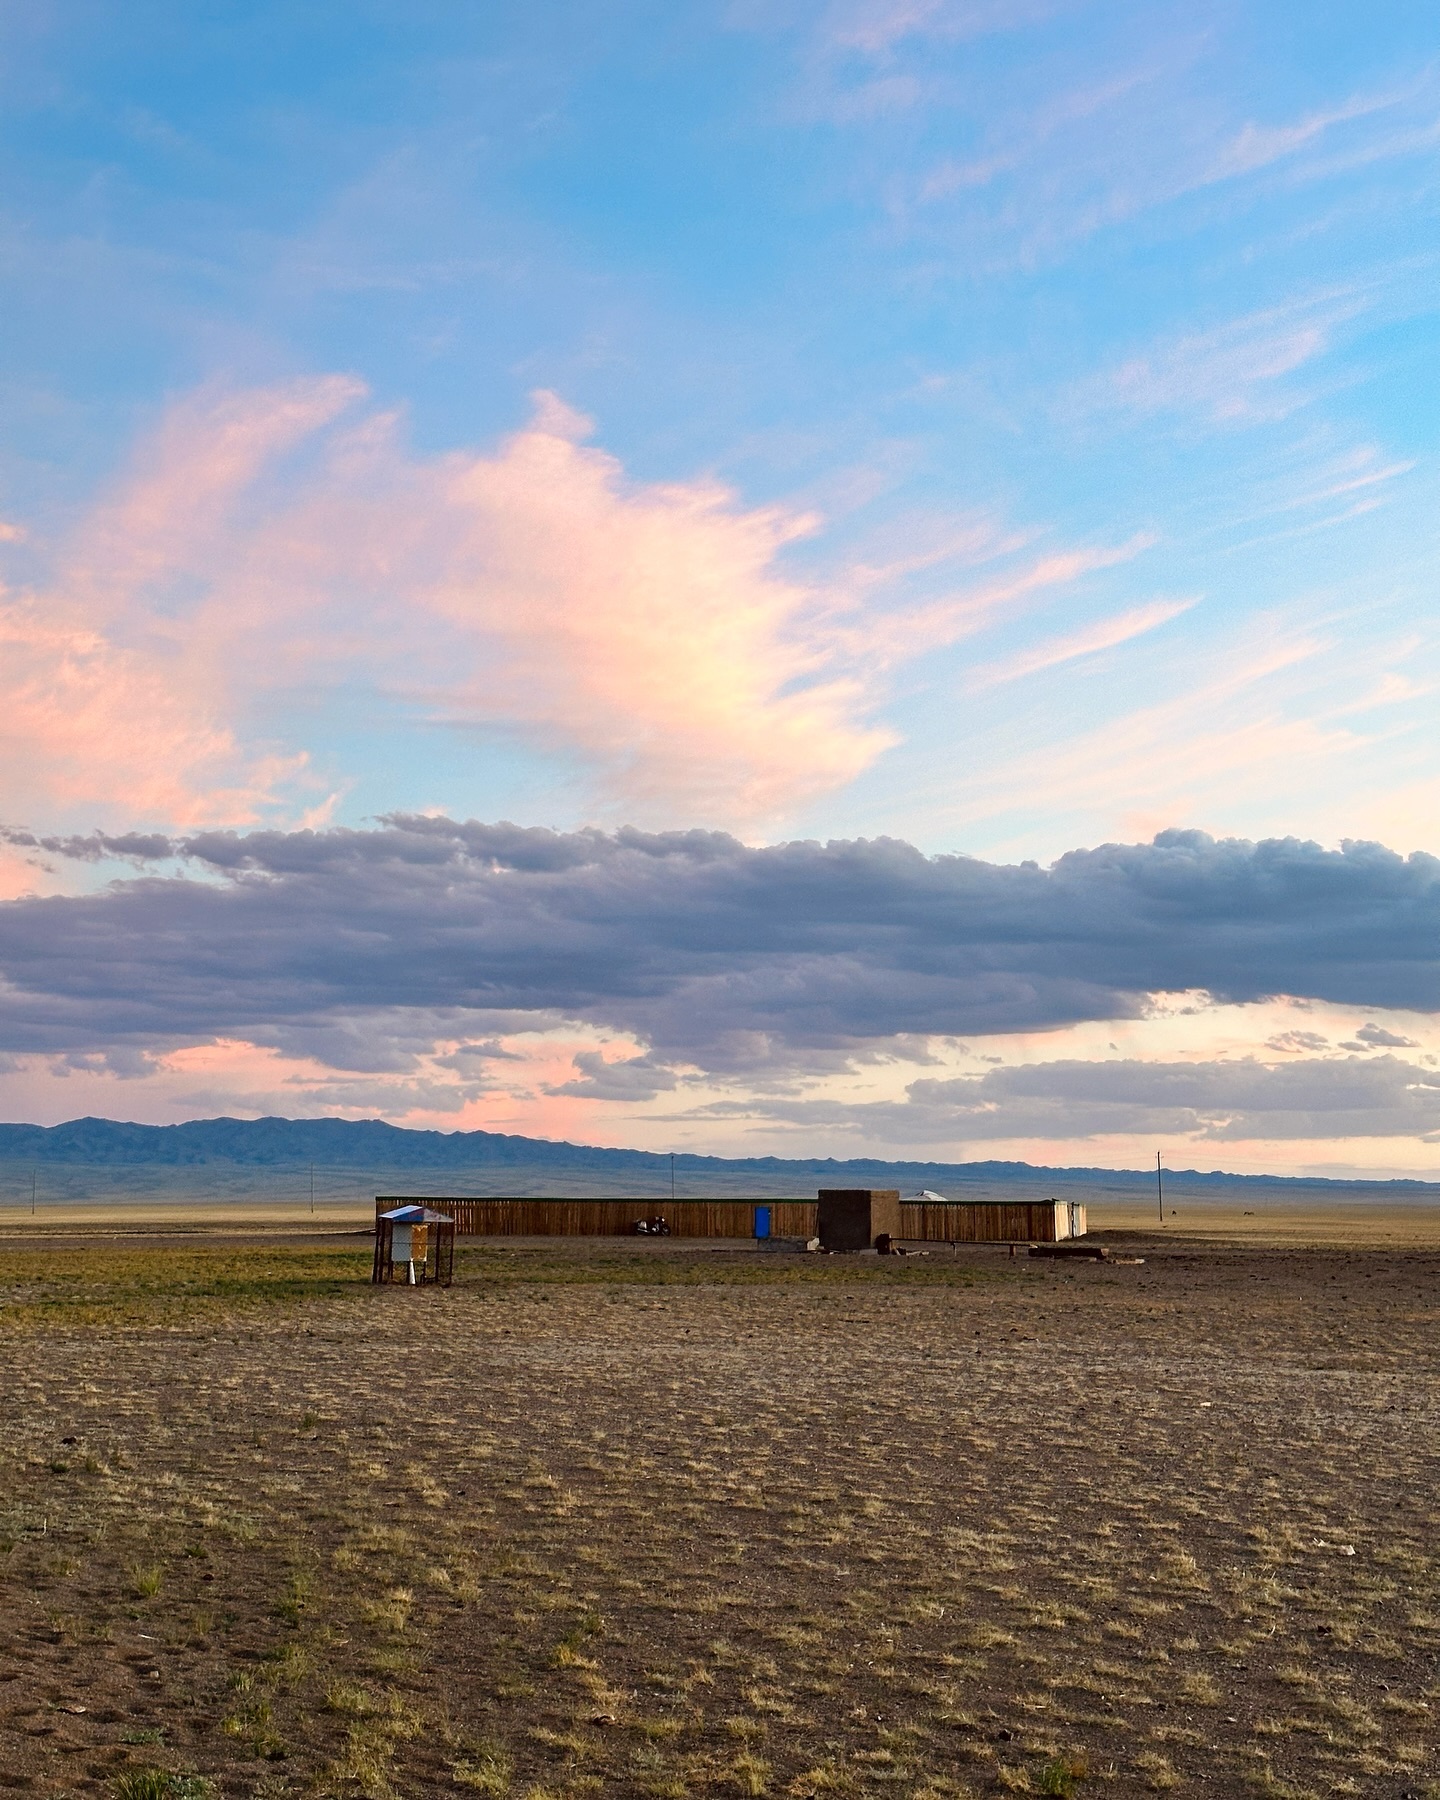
(486, 1767)
(292, 1602)
(146, 1580)
(1059, 1775)
(1200, 1688)
(1158, 1770)
(160, 1784)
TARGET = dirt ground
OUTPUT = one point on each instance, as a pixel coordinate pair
(672, 1520)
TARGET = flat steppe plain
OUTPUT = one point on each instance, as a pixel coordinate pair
(668, 1519)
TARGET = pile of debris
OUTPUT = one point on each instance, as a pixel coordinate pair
(1087, 1252)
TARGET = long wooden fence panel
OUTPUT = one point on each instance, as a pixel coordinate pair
(978, 1221)
(509, 1217)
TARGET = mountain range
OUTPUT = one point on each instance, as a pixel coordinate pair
(375, 1144)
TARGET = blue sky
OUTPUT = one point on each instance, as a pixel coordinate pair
(1003, 427)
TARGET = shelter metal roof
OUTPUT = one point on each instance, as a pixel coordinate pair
(417, 1215)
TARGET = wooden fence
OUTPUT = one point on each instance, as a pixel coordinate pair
(983, 1221)
(927, 1222)
(615, 1218)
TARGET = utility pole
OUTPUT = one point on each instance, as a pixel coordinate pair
(1159, 1187)
(672, 1177)
(312, 1187)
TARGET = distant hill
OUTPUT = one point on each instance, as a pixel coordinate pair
(374, 1144)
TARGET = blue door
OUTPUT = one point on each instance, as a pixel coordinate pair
(762, 1221)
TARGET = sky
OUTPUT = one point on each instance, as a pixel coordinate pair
(834, 577)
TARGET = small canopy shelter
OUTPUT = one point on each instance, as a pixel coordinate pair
(414, 1245)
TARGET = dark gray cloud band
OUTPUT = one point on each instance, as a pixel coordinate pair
(1216, 1102)
(1220, 1102)
(711, 952)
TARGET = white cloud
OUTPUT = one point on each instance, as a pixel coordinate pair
(1231, 374)
(1104, 634)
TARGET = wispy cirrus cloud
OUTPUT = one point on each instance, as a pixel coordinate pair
(1232, 374)
(1257, 146)
(887, 637)
(1041, 165)
(1050, 119)
(1358, 476)
(1249, 716)
(1070, 646)
(875, 27)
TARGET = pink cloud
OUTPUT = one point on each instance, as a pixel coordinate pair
(86, 723)
(282, 537)
(646, 628)
(112, 703)
(435, 1090)
(651, 627)
(181, 496)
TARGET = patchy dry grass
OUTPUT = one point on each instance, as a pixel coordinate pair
(600, 1522)
(102, 1288)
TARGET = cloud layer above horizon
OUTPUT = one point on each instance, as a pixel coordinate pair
(728, 982)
